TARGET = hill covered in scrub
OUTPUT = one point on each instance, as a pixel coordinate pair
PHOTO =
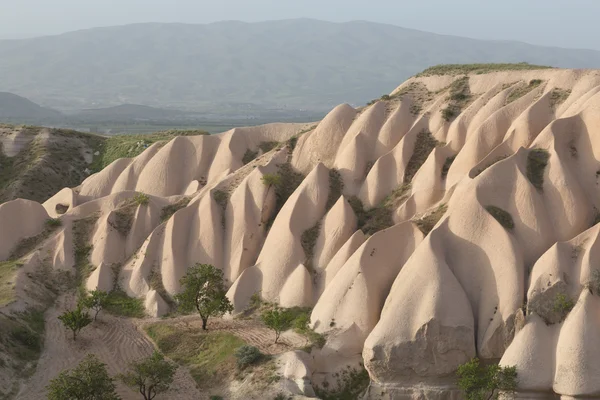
(237, 69)
(455, 217)
(37, 162)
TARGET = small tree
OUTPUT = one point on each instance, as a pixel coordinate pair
(483, 383)
(278, 319)
(96, 300)
(204, 290)
(75, 320)
(88, 381)
(151, 376)
(271, 179)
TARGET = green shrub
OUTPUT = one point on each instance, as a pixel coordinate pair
(141, 199)
(89, 380)
(563, 304)
(278, 319)
(167, 212)
(386, 97)
(483, 382)
(503, 217)
(118, 303)
(248, 355)
(536, 165)
(289, 182)
(559, 96)
(460, 96)
(271, 179)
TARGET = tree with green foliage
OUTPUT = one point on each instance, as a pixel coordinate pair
(96, 300)
(151, 376)
(483, 382)
(88, 381)
(278, 319)
(204, 290)
(271, 179)
(75, 320)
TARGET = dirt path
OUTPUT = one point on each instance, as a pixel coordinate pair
(119, 341)
(116, 342)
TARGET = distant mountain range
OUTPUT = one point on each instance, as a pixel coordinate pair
(232, 67)
(17, 107)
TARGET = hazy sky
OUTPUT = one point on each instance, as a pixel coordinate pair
(564, 23)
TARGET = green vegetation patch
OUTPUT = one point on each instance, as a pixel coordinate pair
(249, 156)
(209, 356)
(424, 145)
(222, 199)
(521, 91)
(503, 217)
(562, 305)
(8, 272)
(128, 146)
(118, 303)
(427, 223)
(447, 165)
(379, 217)
(82, 231)
(21, 340)
(267, 146)
(460, 96)
(559, 96)
(289, 181)
(167, 212)
(309, 240)
(350, 383)
(336, 187)
(478, 69)
(29, 244)
(536, 165)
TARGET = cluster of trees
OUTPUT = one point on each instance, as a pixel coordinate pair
(77, 319)
(90, 379)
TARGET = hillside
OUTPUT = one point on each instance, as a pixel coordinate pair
(292, 65)
(455, 217)
(13, 107)
(37, 162)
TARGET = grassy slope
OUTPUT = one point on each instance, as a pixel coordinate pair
(45, 166)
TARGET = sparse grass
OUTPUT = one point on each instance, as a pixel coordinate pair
(424, 145)
(209, 356)
(559, 96)
(478, 69)
(427, 222)
(563, 305)
(479, 171)
(503, 217)
(379, 217)
(521, 91)
(336, 187)
(124, 217)
(122, 146)
(21, 339)
(459, 98)
(141, 199)
(53, 223)
(248, 355)
(309, 240)
(447, 165)
(29, 244)
(156, 283)
(267, 146)
(82, 230)
(593, 284)
(8, 272)
(249, 156)
(222, 199)
(351, 384)
(290, 180)
(167, 212)
(118, 303)
(536, 165)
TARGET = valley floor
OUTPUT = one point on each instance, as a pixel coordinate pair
(118, 341)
